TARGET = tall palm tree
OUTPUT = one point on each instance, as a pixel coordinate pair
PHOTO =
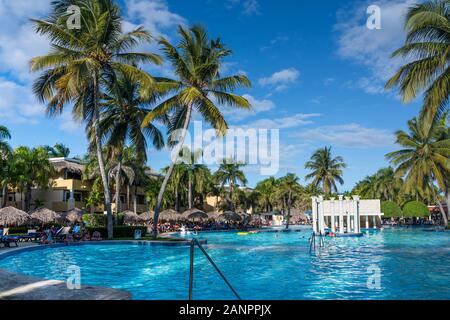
(121, 123)
(289, 186)
(427, 45)
(5, 148)
(59, 150)
(82, 62)
(326, 170)
(194, 171)
(424, 159)
(196, 61)
(230, 173)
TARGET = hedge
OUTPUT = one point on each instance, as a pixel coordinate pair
(100, 220)
(415, 209)
(119, 232)
(391, 209)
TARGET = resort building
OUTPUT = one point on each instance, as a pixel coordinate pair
(68, 190)
(345, 215)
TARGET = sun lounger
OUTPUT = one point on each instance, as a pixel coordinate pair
(62, 233)
(6, 239)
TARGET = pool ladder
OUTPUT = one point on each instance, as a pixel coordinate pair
(194, 243)
(312, 241)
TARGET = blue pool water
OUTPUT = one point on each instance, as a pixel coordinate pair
(413, 264)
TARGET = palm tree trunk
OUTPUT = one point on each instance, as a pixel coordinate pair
(119, 168)
(447, 200)
(190, 192)
(177, 200)
(289, 211)
(128, 196)
(444, 216)
(5, 195)
(231, 196)
(169, 172)
(101, 162)
(27, 198)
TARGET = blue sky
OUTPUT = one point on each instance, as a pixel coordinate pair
(317, 72)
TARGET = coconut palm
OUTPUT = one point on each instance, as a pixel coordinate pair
(424, 159)
(59, 150)
(196, 61)
(426, 48)
(31, 169)
(5, 148)
(289, 186)
(266, 190)
(121, 123)
(83, 61)
(326, 170)
(230, 173)
(5, 151)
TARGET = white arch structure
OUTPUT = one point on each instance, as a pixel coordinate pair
(345, 215)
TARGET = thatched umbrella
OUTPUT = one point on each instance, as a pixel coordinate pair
(194, 214)
(230, 216)
(170, 215)
(147, 216)
(13, 216)
(214, 215)
(298, 215)
(72, 216)
(44, 215)
(132, 218)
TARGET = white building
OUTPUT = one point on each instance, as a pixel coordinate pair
(345, 215)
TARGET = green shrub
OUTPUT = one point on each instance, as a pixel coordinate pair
(94, 220)
(415, 209)
(119, 232)
(391, 209)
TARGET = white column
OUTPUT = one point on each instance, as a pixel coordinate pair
(367, 222)
(314, 214)
(341, 214)
(71, 202)
(333, 220)
(374, 222)
(356, 214)
(135, 204)
(321, 216)
(347, 211)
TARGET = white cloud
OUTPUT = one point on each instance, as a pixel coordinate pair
(249, 7)
(281, 79)
(373, 48)
(68, 124)
(258, 106)
(328, 81)
(351, 135)
(292, 121)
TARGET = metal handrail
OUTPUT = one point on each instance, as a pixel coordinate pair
(195, 242)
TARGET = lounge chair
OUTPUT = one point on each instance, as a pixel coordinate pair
(62, 233)
(32, 235)
(6, 239)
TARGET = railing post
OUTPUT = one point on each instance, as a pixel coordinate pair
(191, 270)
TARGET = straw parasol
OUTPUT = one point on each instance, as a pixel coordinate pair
(131, 218)
(147, 216)
(298, 215)
(13, 216)
(170, 215)
(72, 216)
(44, 215)
(230, 216)
(194, 214)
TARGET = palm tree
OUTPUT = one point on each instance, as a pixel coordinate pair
(427, 44)
(230, 173)
(196, 62)
(266, 190)
(289, 186)
(83, 62)
(5, 152)
(121, 123)
(32, 169)
(423, 160)
(59, 150)
(326, 170)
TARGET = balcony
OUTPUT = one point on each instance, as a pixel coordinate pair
(71, 184)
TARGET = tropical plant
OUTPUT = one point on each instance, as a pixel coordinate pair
(31, 168)
(266, 190)
(426, 50)
(5, 152)
(82, 62)
(326, 170)
(93, 200)
(59, 150)
(415, 209)
(196, 61)
(391, 210)
(5, 148)
(424, 159)
(289, 186)
(231, 174)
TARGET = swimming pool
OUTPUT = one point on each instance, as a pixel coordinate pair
(412, 264)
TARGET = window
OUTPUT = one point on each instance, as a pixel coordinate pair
(140, 199)
(76, 195)
(72, 175)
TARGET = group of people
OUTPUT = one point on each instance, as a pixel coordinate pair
(68, 234)
(174, 226)
(409, 222)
